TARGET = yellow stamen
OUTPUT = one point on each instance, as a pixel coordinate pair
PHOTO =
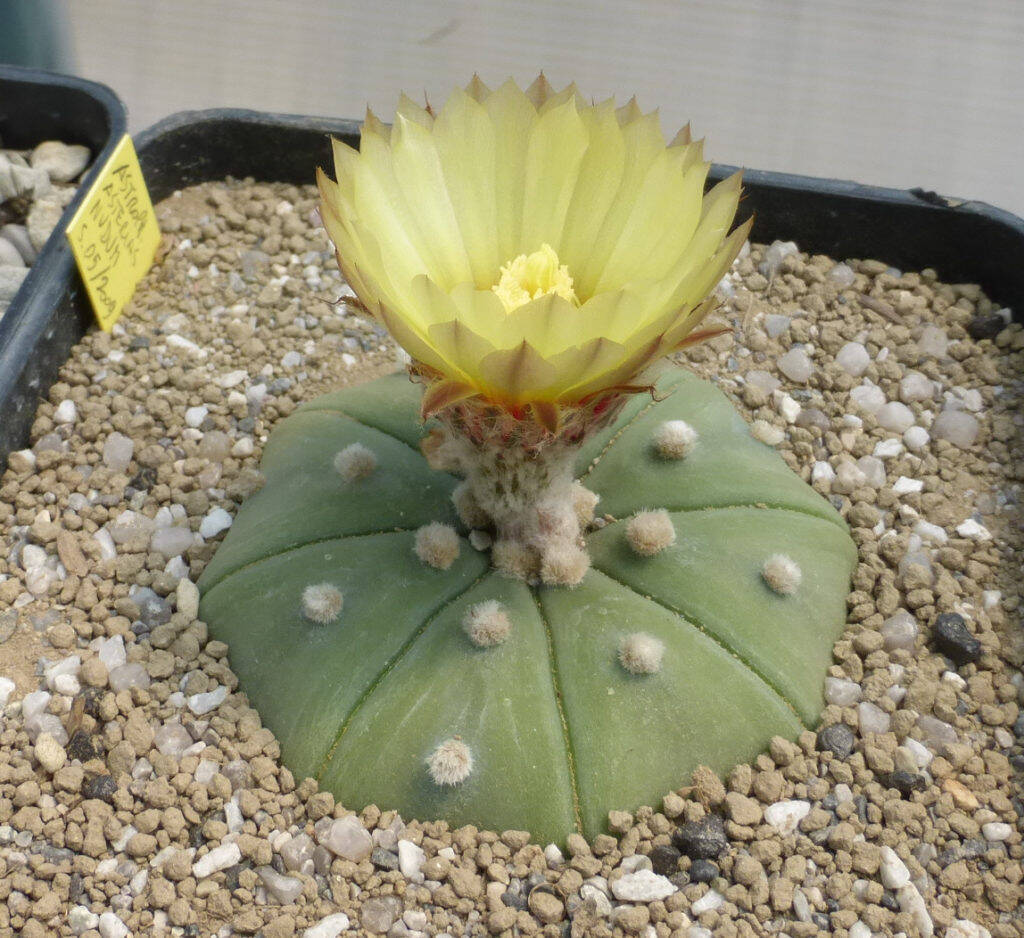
(530, 276)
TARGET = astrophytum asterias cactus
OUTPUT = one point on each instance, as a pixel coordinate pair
(560, 595)
(569, 702)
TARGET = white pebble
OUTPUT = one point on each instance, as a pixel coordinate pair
(842, 275)
(895, 416)
(933, 342)
(6, 689)
(916, 438)
(893, 871)
(784, 816)
(956, 426)
(117, 451)
(905, 486)
(914, 386)
(996, 831)
(912, 903)
(965, 928)
(973, 530)
(329, 927)
(66, 412)
(873, 469)
(766, 433)
(841, 692)
(889, 449)
(867, 397)
(216, 520)
(872, 719)
(853, 358)
(410, 860)
(710, 901)
(929, 532)
(795, 365)
(219, 858)
(195, 416)
(775, 324)
(788, 408)
(642, 886)
(204, 703)
(112, 927)
(822, 472)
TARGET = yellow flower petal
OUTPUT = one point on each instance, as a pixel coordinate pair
(465, 138)
(513, 117)
(556, 147)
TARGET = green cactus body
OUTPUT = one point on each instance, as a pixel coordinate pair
(558, 730)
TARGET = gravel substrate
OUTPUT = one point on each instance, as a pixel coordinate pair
(35, 187)
(140, 794)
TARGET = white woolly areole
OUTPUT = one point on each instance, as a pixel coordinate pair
(487, 623)
(782, 574)
(650, 532)
(674, 439)
(584, 502)
(640, 653)
(355, 462)
(468, 508)
(451, 762)
(563, 563)
(514, 559)
(321, 603)
(437, 544)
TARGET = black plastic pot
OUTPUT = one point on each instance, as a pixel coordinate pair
(49, 313)
(964, 241)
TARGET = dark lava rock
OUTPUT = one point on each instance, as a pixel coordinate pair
(144, 479)
(514, 900)
(384, 859)
(101, 787)
(951, 637)
(905, 782)
(703, 871)
(701, 840)
(80, 746)
(986, 326)
(665, 859)
(889, 901)
(837, 739)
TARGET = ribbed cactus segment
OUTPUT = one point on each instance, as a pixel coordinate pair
(462, 693)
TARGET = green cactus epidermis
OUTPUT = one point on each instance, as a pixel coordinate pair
(559, 731)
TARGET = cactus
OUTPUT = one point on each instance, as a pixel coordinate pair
(398, 666)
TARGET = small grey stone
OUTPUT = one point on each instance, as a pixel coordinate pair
(872, 719)
(62, 162)
(297, 852)
(10, 256)
(899, 631)
(895, 416)
(853, 358)
(117, 451)
(346, 837)
(18, 236)
(43, 217)
(837, 739)
(795, 365)
(172, 739)
(172, 541)
(378, 915)
(129, 675)
(957, 426)
(774, 254)
(11, 277)
(285, 889)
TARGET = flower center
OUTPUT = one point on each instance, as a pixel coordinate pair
(530, 276)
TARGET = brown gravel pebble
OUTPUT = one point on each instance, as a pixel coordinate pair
(117, 800)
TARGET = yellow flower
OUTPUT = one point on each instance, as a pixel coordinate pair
(526, 247)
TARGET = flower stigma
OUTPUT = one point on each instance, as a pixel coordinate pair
(531, 276)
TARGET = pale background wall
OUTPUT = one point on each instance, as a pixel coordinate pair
(893, 92)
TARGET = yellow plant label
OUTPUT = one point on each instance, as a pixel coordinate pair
(114, 234)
